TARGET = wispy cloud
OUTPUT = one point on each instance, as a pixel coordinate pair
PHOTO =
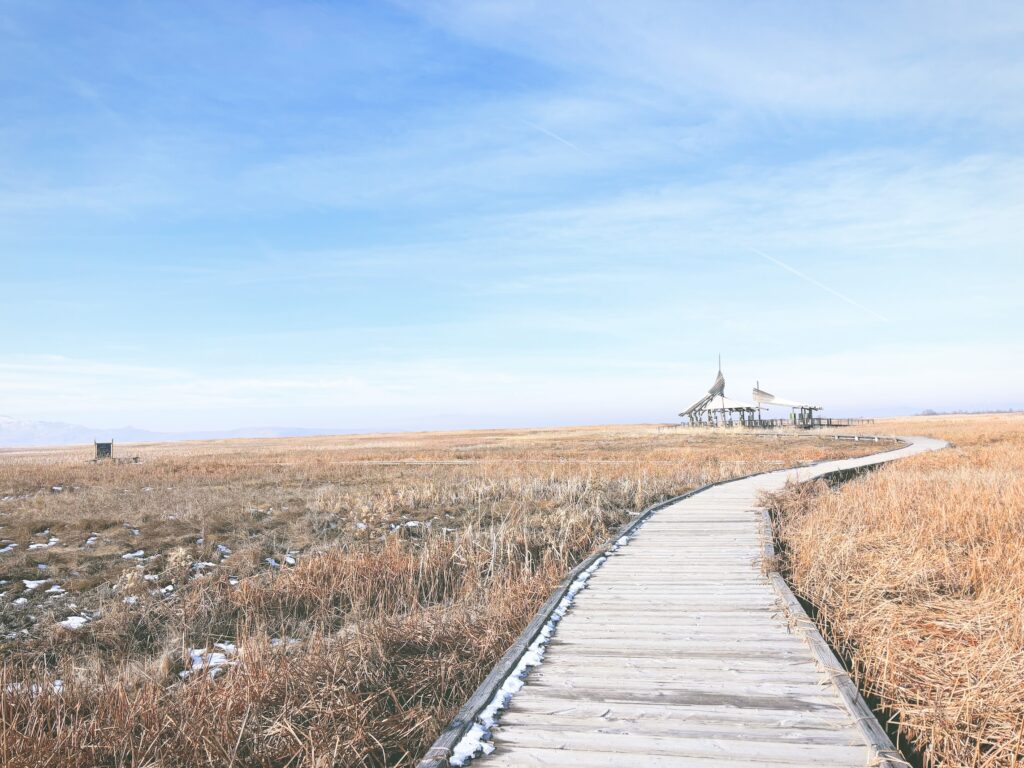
(501, 208)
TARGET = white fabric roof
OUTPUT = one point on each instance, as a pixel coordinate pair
(715, 399)
(766, 398)
(697, 405)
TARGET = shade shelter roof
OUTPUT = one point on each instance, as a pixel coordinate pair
(716, 400)
(766, 398)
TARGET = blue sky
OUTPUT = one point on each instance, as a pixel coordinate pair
(437, 214)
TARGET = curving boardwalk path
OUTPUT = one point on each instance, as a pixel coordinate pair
(681, 652)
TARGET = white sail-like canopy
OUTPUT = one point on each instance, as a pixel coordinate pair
(766, 398)
(721, 402)
(715, 400)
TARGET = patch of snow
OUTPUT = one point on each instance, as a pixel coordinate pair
(413, 524)
(42, 566)
(92, 539)
(56, 589)
(168, 589)
(150, 577)
(20, 600)
(202, 565)
(200, 541)
(214, 661)
(134, 555)
(272, 562)
(74, 622)
(40, 545)
(130, 600)
(361, 526)
(8, 548)
(30, 584)
(289, 560)
(233, 581)
(224, 551)
(57, 686)
(477, 740)
(57, 488)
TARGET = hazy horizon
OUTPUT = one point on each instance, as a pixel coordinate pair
(432, 215)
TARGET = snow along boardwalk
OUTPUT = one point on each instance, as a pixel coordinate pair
(680, 651)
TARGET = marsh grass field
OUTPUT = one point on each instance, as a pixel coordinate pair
(916, 572)
(305, 602)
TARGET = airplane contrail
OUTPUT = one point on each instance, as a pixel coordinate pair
(554, 136)
(814, 282)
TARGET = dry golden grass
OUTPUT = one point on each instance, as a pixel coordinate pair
(417, 561)
(917, 574)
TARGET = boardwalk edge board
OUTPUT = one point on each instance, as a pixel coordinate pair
(440, 752)
(886, 753)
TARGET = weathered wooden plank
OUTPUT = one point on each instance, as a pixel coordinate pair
(554, 706)
(768, 752)
(535, 757)
(825, 733)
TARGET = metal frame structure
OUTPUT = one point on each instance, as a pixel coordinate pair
(715, 409)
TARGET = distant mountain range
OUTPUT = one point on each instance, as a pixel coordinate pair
(22, 433)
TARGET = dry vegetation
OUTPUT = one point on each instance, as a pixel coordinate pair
(359, 588)
(917, 574)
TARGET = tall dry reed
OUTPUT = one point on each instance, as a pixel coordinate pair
(917, 575)
(417, 561)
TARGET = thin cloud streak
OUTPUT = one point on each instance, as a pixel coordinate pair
(819, 284)
(556, 137)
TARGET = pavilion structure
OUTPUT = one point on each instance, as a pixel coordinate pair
(715, 409)
(801, 414)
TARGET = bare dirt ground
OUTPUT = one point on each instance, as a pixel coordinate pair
(324, 601)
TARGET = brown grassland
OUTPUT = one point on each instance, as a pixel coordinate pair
(359, 587)
(917, 575)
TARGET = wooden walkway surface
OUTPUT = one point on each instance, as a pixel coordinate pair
(681, 652)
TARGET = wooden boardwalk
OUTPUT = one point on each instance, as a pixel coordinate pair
(681, 652)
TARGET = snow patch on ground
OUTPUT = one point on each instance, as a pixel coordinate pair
(477, 740)
(57, 686)
(74, 622)
(134, 555)
(214, 660)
